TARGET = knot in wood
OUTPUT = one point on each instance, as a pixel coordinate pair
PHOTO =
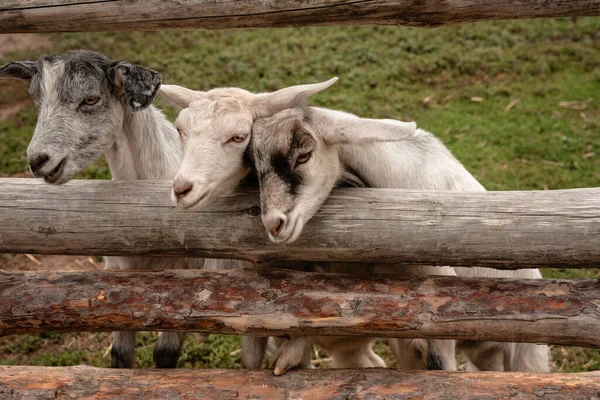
(269, 295)
(254, 211)
(46, 231)
(355, 304)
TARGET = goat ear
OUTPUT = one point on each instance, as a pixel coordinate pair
(178, 97)
(268, 104)
(22, 70)
(138, 84)
(363, 130)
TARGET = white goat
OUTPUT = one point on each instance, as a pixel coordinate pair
(301, 152)
(89, 106)
(215, 127)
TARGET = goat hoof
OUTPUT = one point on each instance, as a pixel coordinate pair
(282, 370)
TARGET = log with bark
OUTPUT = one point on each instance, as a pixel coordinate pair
(280, 302)
(24, 383)
(497, 229)
(143, 15)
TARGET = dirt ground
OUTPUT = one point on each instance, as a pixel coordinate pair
(9, 44)
(22, 262)
(23, 41)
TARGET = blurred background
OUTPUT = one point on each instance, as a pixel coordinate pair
(518, 103)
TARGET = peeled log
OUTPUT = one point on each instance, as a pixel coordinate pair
(138, 15)
(278, 302)
(20, 383)
(553, 228)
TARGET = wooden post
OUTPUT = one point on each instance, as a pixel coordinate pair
(144, 15)
(279, 302)
(21, 383)
(497, 229)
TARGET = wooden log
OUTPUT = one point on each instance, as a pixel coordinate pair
(21, 383)
(279, 302)
(496, 229)
(138, 15)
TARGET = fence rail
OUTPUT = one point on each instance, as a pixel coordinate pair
(278, 302)
(498, 229)
(144, 15)
(21, 383)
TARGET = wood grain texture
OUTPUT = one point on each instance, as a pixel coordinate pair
(143, 15)
(41, 383)
(497, 229)
(279, 302)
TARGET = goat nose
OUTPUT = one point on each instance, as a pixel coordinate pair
(181, 187)
(38, 161)
(275, 225)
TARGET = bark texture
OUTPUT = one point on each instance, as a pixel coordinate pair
(41, 383)
(144, 15)
(279, 302)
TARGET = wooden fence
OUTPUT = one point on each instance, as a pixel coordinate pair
(144, 15)
(497, 229)
(507, 230)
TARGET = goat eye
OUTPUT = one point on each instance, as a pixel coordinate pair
(90, 101)
(303, 158)
(180, 132)
(238, 138)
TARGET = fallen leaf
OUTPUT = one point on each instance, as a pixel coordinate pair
(427, 99)
(477, 99)
(588, 155)
(575, 105)
(553, 163)
(512, 104)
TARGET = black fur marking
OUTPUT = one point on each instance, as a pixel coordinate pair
(283, 167)
(468, 344)
(283, 163)
(165, 357)
(120, 359)
(139, 84)
(434, 362)
(249, 157)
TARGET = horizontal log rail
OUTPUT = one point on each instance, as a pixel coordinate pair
(21, 383)
(498, 229)
(144, 15)
(281, 302)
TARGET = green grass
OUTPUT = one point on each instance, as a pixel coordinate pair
(384, 72)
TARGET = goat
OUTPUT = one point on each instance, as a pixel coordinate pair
(299, 153)
(215, 129)
(88, 106)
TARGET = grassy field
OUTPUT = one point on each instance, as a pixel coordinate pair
(517, 103)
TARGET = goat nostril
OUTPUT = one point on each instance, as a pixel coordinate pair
(182, 190)
(37, 162)
(275, 230)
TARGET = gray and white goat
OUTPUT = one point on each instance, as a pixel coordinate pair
(91, 106)
(215, 127)
(301, 152)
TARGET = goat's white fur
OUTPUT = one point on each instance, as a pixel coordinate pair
(419, 162)
(214, 164)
